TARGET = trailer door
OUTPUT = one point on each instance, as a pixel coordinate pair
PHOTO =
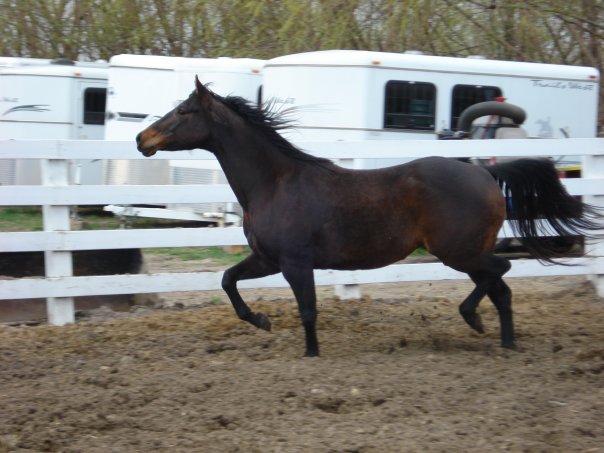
(90, 112)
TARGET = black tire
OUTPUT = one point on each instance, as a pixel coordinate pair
(515, 113)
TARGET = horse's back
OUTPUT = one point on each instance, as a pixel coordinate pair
(452, 181)
(446, 174)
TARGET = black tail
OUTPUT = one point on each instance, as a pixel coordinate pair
(537, 203)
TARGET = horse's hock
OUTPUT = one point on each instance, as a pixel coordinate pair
(85, 262)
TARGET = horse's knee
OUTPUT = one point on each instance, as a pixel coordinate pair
(505, 265)
(229, 285)
(227, 280)
(465, 310)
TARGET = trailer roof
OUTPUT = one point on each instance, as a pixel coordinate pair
(222, 64)
(144, 61)
(418, 62)
(21, 61)
(53, 70)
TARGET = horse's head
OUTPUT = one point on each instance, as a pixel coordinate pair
(185, 127)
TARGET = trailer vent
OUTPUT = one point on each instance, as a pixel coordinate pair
(63, 62)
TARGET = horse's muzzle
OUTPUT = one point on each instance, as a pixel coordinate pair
(144, 146)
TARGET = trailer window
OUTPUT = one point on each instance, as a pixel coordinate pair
(466, 95)
(409, 105)
(94, 105)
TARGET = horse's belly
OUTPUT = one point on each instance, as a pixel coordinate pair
(364, 255)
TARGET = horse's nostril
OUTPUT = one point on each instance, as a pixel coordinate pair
(138, 138)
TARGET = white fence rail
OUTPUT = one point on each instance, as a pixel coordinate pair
(57, 241)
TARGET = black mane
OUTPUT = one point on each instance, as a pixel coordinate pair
(270, 122)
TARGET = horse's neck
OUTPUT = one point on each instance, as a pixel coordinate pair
(251, 164)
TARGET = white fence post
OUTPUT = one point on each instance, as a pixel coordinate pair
(593, 167)
(347, 291)
(60, 310)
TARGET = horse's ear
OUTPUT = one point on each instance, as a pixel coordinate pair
(199, 86)
(203, 93)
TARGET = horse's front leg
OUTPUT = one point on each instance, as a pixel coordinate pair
(251, 267)
(301, 279)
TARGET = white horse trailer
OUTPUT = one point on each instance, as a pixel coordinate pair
(142, 88)
(51, 99)
(347, 95)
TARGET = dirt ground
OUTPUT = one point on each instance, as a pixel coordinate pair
(399, 372)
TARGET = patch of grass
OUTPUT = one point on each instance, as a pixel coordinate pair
(111, 222)
(216, 300)
(420, 252)
(21, 218)
(217, 255)
(29, 218)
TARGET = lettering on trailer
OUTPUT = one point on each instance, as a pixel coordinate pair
(279, 100)
(562, 85)
(545, 128)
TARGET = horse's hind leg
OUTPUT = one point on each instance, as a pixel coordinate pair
(501, 296)
(250, 267)
(488, 281)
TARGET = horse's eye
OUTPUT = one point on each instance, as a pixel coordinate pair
(180, 111)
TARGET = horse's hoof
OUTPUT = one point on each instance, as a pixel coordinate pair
(509, 345)
(474, 321)
(261, 321)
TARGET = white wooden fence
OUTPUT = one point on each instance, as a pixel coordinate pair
(57, 241)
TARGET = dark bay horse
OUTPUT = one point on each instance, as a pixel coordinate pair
(303, 213)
